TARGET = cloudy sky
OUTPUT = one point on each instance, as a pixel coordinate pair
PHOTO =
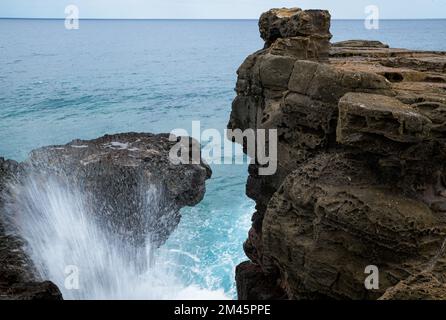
(217, 9)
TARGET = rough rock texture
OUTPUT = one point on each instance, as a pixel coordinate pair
(423, 286)
(253, 284)
(361, 153)
(311, 25)
(360, 44)
(17, 281)
(128, 181)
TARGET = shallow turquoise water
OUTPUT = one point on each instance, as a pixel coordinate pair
(152, 76)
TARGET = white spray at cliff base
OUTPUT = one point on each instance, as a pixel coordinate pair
(70, 248)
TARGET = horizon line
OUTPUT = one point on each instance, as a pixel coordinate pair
(205, 19)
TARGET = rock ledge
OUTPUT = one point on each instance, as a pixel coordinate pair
(361, 178)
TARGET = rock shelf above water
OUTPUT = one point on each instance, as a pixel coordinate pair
(131, 179)
(361, 152)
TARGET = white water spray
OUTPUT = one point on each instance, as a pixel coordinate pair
(69, 247)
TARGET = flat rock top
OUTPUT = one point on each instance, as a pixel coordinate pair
(123, 149)
(376, 102)
(360, 43)
(286, 12)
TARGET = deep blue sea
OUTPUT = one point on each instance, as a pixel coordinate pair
(153, 76)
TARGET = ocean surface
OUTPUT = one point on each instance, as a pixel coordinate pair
(112, 76)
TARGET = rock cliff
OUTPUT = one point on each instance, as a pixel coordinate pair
(361, 153)
(128, 181)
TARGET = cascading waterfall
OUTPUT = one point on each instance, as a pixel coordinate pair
(70, 247)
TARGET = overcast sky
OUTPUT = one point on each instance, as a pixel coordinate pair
(216, 9)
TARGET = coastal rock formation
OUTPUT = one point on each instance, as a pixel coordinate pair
(361, 152)
(297, 26)
(127, 181)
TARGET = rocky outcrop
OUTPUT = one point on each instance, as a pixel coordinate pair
(309, 28)
(129, 182)
(129, 179)
(361, 153)
(360, 44)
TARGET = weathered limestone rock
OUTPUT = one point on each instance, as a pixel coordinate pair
(361, 153)
(253, 284)
(363, 114)
(331, 218)
(360, 44)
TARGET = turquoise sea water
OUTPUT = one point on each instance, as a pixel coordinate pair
(153, 76)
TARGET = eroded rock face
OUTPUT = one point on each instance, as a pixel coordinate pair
(127, 182)
(363, 116)
(361, 155)
(290, 23)
(423, 286)
(360, 44)
(253, 284)
(17, 276)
